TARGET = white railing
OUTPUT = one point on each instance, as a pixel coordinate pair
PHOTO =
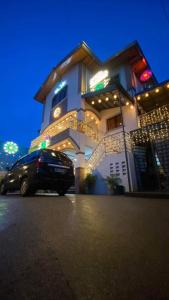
(66, 123)
(110, 144)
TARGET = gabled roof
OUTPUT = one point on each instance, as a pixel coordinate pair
(132, 54)
(81, 53)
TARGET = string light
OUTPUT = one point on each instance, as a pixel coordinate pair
(138, 98)
(93, 102)
(115, 96)
(99, 100)
(147, 95)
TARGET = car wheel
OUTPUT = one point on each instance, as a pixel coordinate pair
(3, 189)
(62, 192)
(25, 188)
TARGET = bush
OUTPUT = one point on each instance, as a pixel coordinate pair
(113, 182)
(90, 182)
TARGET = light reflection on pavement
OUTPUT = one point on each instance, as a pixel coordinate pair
(3, 213)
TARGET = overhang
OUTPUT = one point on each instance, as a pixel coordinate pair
(133, 55)
(108, 97)
(154, 97)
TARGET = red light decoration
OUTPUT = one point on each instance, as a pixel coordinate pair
(146, 75)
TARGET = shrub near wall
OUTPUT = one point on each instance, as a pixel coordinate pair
(90, 182)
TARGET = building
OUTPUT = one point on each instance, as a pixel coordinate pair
(95, 112)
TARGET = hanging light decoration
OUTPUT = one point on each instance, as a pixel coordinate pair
(10, 147)
(146, 75)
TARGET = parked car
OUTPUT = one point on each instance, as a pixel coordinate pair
(41, 169)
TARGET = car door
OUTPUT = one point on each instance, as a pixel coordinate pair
(12, 179)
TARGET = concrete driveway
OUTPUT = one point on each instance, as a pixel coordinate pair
(84, 247)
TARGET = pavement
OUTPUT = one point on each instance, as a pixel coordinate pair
(84, 247)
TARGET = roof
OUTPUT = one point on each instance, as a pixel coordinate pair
(82, 53)
(154, 97)
(135, 56)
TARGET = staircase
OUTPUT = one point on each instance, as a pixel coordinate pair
(109, 144)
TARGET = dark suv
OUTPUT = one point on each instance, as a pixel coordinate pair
(42, 169)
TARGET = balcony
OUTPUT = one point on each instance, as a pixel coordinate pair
(69, 121)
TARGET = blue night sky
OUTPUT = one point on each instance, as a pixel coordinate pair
(36, 35)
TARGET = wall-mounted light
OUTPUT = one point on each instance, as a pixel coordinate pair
(57, 112)
(59, 86)
(138, 98)
(157, 90)
(146, 75)
(92, 102)
(127, 103)
(147, 95)
(115, 96)
(107, 98)
(99, 100)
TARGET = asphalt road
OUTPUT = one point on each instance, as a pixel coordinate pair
(84, 247)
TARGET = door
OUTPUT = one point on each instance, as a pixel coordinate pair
(13, 177)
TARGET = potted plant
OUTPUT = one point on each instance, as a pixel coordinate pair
(90, 182)
(113, 183)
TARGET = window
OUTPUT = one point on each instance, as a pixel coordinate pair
(59, 96)
(114, 122)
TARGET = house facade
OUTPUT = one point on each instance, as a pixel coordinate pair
(91, 107)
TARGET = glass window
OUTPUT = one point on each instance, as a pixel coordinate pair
(114, 122)
(59, 96)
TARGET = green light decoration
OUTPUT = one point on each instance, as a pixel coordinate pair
(44, 144)
(10, 147)
(99, 86)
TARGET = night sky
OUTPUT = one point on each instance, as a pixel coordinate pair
(36, 35)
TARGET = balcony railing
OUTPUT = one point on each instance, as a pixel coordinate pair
(155, 116)
(66, 123)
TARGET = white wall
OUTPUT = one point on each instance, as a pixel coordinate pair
(111, 165)
(73, 95)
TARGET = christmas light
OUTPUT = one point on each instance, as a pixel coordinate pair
(57, 112)
(146, 75)
(10, 147)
